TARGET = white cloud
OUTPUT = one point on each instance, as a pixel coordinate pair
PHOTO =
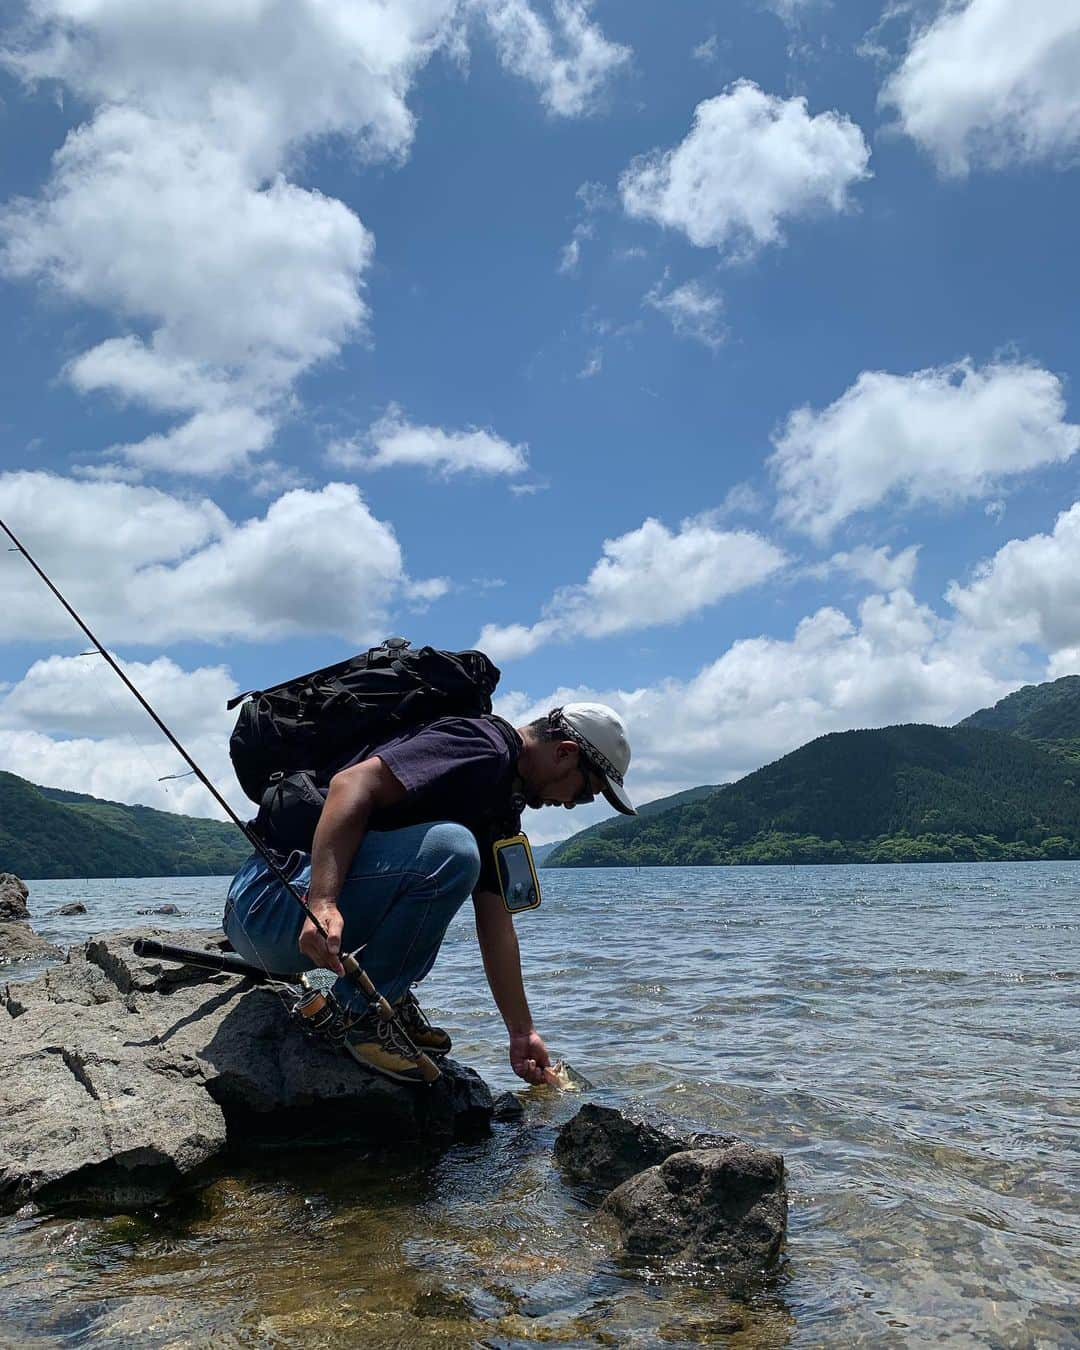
(693, 310)
(70, 723)
(593, 365)
(750, 161)
(569, 60)
(207, 444)
(394, 441)
(741, 500)
(706, 50)
(763, 697)
(788, 10)
(880, 567)
(944, 435)
(169, 207)
(146, 567)
(570, 254)
(1029, 591)
(647, 577)
(992, 82)
(594, 197)
(75, 696)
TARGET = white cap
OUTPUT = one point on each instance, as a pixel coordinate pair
(600, 734)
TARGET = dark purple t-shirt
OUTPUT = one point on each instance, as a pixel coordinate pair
(460, 769)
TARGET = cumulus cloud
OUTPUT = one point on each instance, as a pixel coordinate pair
(649, 576)
(896, 661)
(880, 567)
(147, 567)
(170, 208)
(1029, 591)
(693, 310)
(991, 82)
(569, 60)
(750, 161)
(70, 723)
(394, 441)
(944, 435)
(78, 696)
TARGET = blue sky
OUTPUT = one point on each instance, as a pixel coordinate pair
(714, 361)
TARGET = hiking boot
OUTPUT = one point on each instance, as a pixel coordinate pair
(431, 1039)
(383, 1048)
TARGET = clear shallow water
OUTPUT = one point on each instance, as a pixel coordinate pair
(906, 1036)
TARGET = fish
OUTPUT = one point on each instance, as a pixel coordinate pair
(564, 1078)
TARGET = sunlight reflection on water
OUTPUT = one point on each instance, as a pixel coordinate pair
(905, 1036)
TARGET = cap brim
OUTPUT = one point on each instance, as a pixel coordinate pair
(616, 796)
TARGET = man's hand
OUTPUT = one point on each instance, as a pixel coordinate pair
(528, 1056)
(324, 951)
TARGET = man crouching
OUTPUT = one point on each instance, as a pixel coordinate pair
(406, 833)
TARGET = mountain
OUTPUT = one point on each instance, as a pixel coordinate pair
(906, 793)
(1046, 713)
(46, 832)
(687, 795)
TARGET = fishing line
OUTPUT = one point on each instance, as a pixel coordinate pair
(186, 826)
(99, 651)
(376, 1001)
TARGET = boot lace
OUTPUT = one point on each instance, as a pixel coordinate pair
(390, 1034)
(412, 1016)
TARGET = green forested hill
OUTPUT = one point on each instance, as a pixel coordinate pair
(45, 832)
(907, 793)
(1047, 713)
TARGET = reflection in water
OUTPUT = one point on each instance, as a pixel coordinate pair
(903, 1035)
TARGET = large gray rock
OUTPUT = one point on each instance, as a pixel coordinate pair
(720, 1210)
(603, 1147)
(13, 895)
(120, 1076)
(19, 942)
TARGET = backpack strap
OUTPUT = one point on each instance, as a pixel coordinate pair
(507, 732)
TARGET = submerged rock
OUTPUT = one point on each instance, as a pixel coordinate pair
(13, 893)
(120, 1076)
(508, 1107)
(19, 942)
(720, 1208)
(603, 1147)
(76, 907)
(699, 1201)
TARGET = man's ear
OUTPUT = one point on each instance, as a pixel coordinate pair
(564, 748)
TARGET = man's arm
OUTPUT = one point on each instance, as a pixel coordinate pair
(354, 794)
(502, 965)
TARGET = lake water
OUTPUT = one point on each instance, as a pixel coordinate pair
(905, 1036)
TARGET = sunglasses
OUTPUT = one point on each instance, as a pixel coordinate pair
(588, 792)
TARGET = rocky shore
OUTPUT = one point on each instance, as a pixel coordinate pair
(120, 1078)
(18, 941)
(123, 1078)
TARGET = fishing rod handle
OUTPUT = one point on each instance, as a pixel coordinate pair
(385, 1012)
(226, 962)
(362, 980)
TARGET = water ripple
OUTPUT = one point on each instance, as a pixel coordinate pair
(905, 1036)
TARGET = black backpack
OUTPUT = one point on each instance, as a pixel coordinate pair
(317, 722)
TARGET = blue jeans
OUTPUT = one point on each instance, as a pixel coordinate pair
(403, 888)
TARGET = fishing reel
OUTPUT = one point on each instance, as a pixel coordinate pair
(317, 1010)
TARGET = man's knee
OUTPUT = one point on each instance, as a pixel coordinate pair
(455, 857)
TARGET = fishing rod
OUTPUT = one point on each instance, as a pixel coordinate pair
(353, 969)
(314, 1005)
